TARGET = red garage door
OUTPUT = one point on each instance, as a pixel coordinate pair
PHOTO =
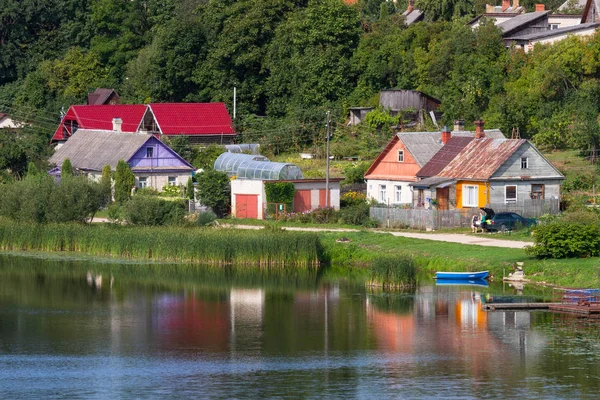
(246, 206)
(302, 201)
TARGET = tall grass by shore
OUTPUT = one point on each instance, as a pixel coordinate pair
(393, 271)
(171, 244)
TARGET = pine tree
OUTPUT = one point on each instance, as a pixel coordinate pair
(66, 170)
(190, 188)
(124, 182)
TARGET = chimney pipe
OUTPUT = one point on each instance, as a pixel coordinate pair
(411, 6)
(459, 125)
(117, 122)
(446, 135)
(479, 132)
(505, 5)
(540, 7)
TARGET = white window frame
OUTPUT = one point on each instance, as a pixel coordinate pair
(173, 179)
(398, 193)
(383, 194)
(465, 199)
(142, 182)
(400, 155)
(506, 199)
(524, 161)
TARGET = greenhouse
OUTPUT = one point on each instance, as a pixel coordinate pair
(246, 166)
(243, 148)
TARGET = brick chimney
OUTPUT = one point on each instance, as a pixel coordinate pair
(117, 122)
(446, 135)
(505, 5)
(540, 7)
(515, 5)
(479, 132)
(411, 6)
(459, 125)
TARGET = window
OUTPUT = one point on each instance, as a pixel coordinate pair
(149, 152)
(524, 163)
(510, 194)
(537, 192)
(143, 183)
(400, 155)
(172, 181)
(470, 196)
(553, 26)
(397, 193)
(383, 194)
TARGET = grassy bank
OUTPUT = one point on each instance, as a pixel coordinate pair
(206, 246)
(430, 256)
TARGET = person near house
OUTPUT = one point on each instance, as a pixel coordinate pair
(474, 220)
(483, 219)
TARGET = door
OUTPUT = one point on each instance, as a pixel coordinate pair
(246, 206)
(302, 201)
(442, 198)
(323, 198)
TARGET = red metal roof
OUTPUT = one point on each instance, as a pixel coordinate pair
(481, 158)
(192, 118)
(446, 154)
(100, 118)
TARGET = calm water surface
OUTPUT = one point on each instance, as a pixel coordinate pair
(84, 329)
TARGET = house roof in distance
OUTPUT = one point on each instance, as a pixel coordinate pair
(192, 118)
(93, 149)
(520, 21)
(555, 32)
(100, 96)
(481, 158)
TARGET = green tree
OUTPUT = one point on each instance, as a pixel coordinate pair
(32, 170)
(445, 9)
(66, 170)
(214, 191)
(124, 182)
(106, 185)
(13, 158)
(189, 190)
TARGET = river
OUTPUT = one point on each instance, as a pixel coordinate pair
(88, 329)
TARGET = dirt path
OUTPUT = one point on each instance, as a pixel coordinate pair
(483, 240)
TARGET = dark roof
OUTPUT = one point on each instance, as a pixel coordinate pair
(432, 181)
(554, 32)
(412, 17)
(446, 154)
(414, 91)
(192, 118)
(520, 21)
(100, 96)
(481, 158)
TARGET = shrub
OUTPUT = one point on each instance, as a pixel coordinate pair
(352, 199)
(394, 271)
(115, 213)
(357, 215)
(171, 191)
(355, 173)
(323, 215)
(76, 199)
(153, 211)
(124, 182)
(565, 240)
(189, 189)
(66, 170)
(281, 193)
(206, 218)
(214, 191)
(106, 184)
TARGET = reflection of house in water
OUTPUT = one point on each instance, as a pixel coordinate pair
(393, 331)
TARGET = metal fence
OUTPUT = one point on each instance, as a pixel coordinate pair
(431, 219)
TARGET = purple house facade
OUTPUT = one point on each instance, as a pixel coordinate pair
(154, 164)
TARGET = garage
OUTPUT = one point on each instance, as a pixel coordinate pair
(246, 206)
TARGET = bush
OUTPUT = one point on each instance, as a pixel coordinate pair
(355, 173)
(153, 211)
(352, 199)
(214, 191)
(565, 240)
(323, 215)
(206, 218)
(357, 215)
(171, 191)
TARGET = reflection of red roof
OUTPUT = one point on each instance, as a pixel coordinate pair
(192, 118)
(100, 118)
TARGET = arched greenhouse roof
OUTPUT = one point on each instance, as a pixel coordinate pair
(246, 166)
(250, 148)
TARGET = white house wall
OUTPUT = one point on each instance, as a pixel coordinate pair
(373, 186)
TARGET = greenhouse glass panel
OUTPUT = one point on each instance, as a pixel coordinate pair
(230, 162)
(266, 170)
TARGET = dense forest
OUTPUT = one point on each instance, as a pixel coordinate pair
(291, 61)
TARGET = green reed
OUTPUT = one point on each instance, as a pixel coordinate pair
(397, 271)
(171, 244)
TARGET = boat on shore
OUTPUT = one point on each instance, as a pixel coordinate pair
(462, 275)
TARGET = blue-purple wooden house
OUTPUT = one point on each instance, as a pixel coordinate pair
(154, 164)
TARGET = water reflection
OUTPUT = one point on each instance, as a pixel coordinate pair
(148, 332)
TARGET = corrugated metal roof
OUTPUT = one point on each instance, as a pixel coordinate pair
(422, 145)
(443, 157)
(521, 20)
(481, 158)
(92, 150)
(431, 181)
(192, 118)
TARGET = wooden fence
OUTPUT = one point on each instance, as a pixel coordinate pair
(432, 219)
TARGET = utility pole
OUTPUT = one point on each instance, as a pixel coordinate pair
(234, 101)
(327, 172)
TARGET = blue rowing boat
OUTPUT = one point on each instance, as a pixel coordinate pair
(462, 275)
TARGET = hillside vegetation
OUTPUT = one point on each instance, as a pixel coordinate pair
(290, 60)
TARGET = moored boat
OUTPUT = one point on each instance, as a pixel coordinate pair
(462, 275)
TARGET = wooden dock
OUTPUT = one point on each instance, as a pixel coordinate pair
(582, 309)
(516, 306)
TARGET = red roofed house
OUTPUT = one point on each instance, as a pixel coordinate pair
(99, 118)
(201, 122)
